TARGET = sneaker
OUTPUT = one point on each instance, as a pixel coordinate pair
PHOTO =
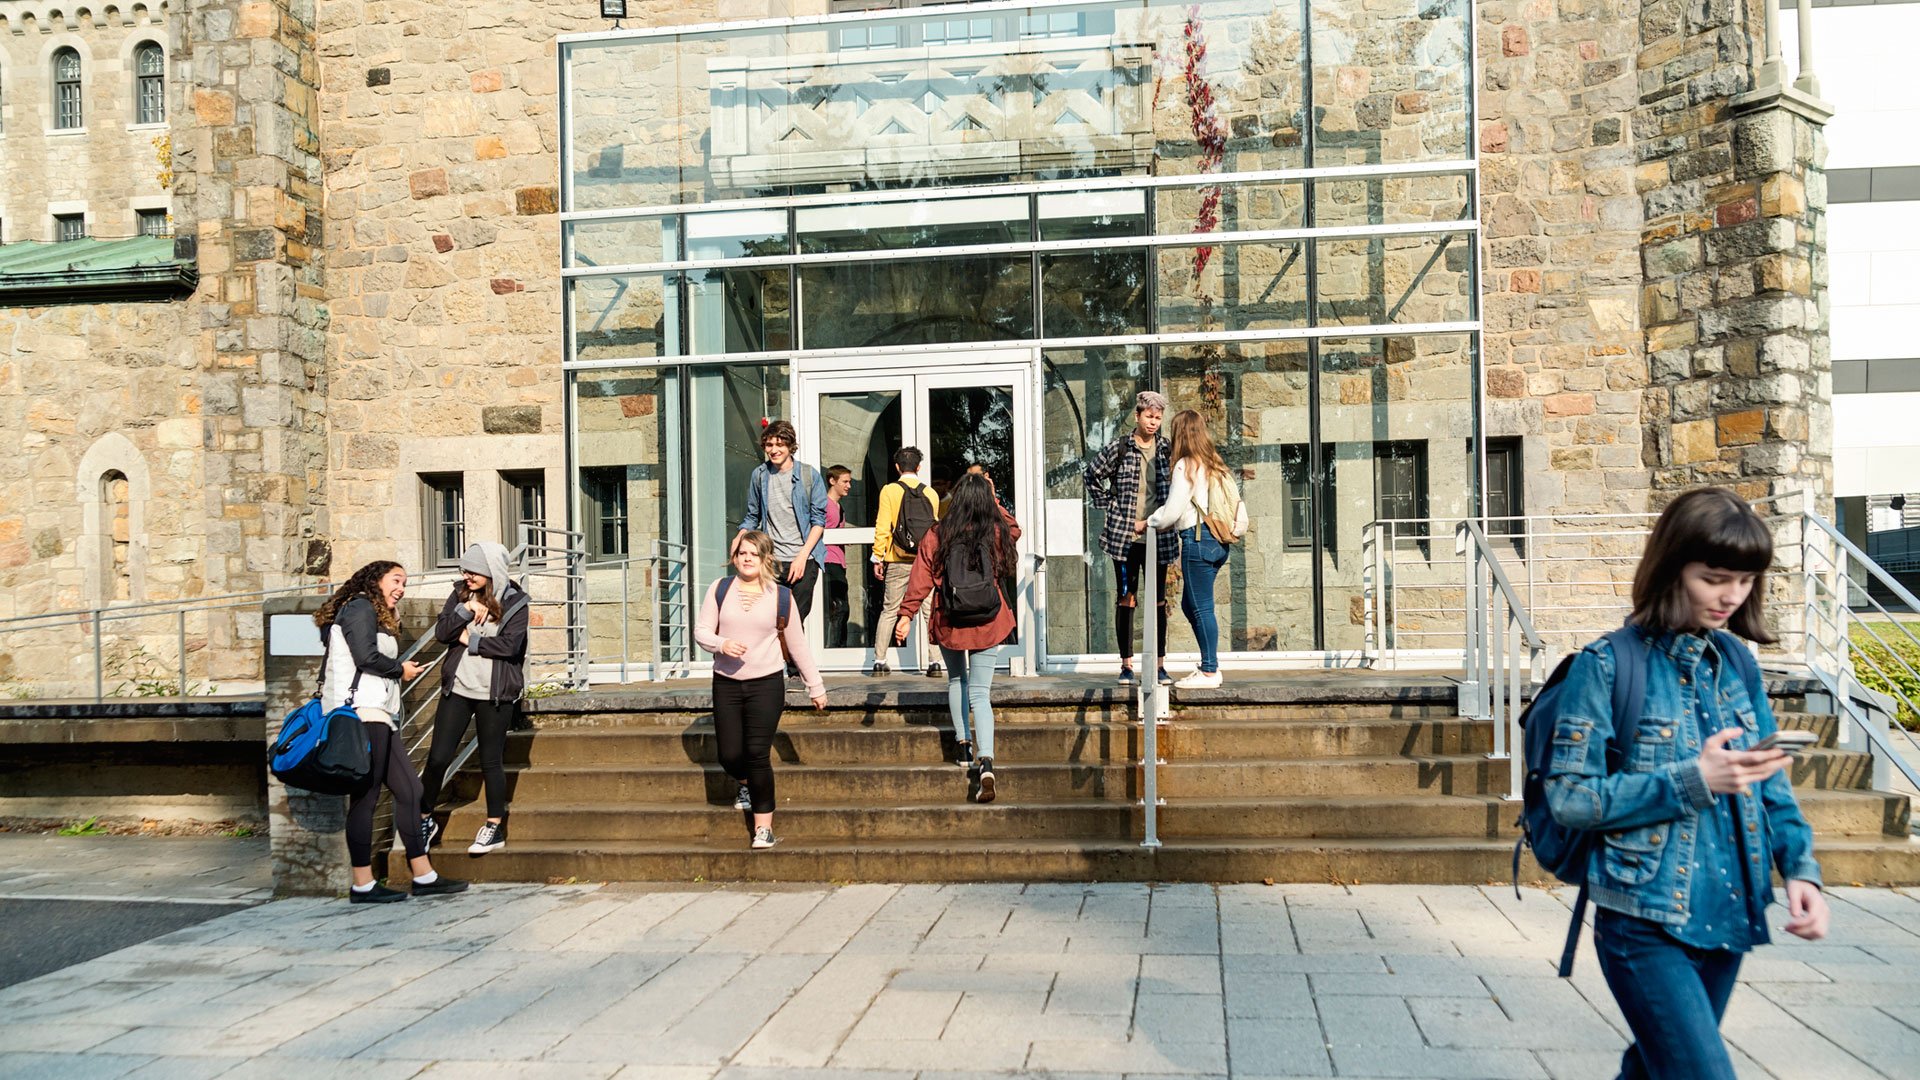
(985, 781)
(1199, 680)
(963, 753)
(491, 837)
(379, 894)
(763, 838)
(440, 886)
(429, 831)
(935, 671)
(1165, 679)
(880, 668)
(1128, 678)
(743, 799)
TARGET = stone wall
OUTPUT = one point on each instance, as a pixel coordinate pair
(1560, 273)
(1734, 250)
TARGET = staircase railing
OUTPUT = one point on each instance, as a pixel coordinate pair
(1153, 696)
(1505, 655)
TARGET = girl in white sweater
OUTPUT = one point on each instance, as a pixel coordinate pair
(1201, 479)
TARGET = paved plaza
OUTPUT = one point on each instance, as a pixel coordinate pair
(928, 981)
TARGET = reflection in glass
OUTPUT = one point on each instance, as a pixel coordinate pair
(1394, 279)
(737, 234)
(632, 240)
(1092, 215)
(936, 223)
(628, 317)
(917, 301)
(1232, 287)
(1267, 204)
(741, 311)
(1094, 293)
(728, 404)
(861, 431)
(1088, 404)
(1390, 81)
(1391, 200)
(631, 493)
(1398, 412)
(973, 426)
(1255, 397)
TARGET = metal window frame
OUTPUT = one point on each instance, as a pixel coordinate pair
(150, 87)
(62, 221)
(434, 485)
(69, 94)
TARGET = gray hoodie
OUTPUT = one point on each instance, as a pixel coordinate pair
(490, 666)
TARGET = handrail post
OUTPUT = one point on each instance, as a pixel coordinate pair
(99, 674)
(1150, 689)
(183, 652)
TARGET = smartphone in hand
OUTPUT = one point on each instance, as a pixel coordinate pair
(1791, 741)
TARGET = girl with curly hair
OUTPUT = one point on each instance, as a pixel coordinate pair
(361, 627)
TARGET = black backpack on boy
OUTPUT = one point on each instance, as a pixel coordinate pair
(916, 517)
(969, 590)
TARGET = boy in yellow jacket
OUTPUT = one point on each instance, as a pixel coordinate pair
(908, 508)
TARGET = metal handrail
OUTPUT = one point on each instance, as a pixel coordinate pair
(1496, 679)
(1150, 691)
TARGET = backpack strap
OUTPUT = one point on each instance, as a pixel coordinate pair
(720, 591)
(780, 623)
(1573, 928)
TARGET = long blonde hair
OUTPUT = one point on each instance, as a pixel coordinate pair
(1193, 443)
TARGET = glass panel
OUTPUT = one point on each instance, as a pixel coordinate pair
(1232, 287)
(631, 240)
(972, 426)
(738, 311)
(1255, 399)
(929, 97)
(1393, 200)
(853, 598)
(629, 317)
(729, 405)
(737, 234)
(1089, 215)
(1088, 404)
(1229, 208)
(936, 223)
(916, 301)
(1094, 294)
(151, 60)
(1398, 412)
(1389, 81)
(627, 441)
(1394, 279)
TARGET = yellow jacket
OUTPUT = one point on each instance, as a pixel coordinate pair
(888, 515)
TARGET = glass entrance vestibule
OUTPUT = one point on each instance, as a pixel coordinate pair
(982, 231)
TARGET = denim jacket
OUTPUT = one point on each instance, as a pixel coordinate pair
(809, 502)
(1650, 858)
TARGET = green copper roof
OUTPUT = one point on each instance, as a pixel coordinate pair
(90, 271)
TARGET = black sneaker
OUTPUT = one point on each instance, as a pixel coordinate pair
(935, 671)
(379, 894)
(429, 831)
(1128, 678)
(963, 753)
(985, 780)
(440, 886)
(743, 799)
(492, 837)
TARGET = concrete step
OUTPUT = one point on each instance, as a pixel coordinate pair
(955, 820)
(804, 785)
(1409, 861)
(840, 744)
(1222, 740)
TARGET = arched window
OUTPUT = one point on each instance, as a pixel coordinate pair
(118, 569)
(150, 99)
(67, 113)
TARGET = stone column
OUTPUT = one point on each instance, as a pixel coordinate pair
(308, 831)
(1734, 253)
(249, 167)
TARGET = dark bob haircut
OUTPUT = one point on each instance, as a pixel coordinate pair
(1708, 525)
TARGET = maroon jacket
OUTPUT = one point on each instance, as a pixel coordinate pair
(928, 570)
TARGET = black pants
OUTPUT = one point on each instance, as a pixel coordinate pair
(803, 590)
(746, 712)
(1129, 574)
(393, 769)
(838, 610)
(491, 720)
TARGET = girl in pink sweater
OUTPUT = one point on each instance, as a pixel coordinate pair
(739, 625)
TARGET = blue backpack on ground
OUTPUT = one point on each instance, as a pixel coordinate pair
(324, 752)
(1561, 850)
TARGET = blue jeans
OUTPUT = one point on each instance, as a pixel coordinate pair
(970, 686)
(1672, 995)
(1201, 557)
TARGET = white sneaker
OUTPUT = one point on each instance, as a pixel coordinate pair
(763, 838)
(1199, 680)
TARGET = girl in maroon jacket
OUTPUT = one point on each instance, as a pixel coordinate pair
(973, 523)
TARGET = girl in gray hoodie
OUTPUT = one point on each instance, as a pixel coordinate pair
(484, 627)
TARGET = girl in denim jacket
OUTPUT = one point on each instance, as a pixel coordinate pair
(1693, 820)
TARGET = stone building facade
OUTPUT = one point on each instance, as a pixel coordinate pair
(375, 193)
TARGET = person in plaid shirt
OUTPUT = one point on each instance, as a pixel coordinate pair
(1114, 484)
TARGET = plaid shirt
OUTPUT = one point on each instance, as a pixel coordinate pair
(1113, 485)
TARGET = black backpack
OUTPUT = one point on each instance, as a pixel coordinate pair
(916, 517)
(969, 589)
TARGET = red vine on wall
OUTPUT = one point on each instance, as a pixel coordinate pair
(1209, 133)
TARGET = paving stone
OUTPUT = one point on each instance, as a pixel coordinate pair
(898, 1053)
(1268, 994)
(1147, 1056)
(347, 1035)
(1179, 1018)
(1766, 1031)
(1161, 974)
(94, 1066)
(1369, 1021)
(1269, 1046)
(1434, 1064)
(1094, 990)
(1340, 984)
(62, 1037)
(519, 1070)
(182, 1068)
(1871, 1035)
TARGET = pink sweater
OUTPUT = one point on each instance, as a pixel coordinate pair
(754, 629)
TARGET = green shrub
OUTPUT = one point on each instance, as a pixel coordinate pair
(1879, 666)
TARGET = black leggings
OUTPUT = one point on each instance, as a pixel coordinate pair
(746, 712)
(1129, 574)
(491, 720)
(394, 769)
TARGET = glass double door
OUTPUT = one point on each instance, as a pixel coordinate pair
(972, 412)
